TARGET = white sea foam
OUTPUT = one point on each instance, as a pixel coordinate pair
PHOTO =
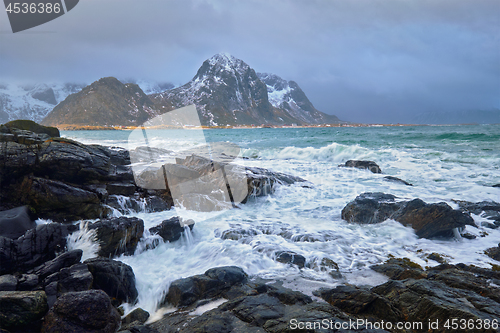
(306, 220)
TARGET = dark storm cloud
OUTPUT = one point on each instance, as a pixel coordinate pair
(363, 60)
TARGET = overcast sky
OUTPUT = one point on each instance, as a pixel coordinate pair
(362, 60)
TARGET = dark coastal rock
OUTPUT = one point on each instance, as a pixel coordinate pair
(22, 310)
(59, 201)
(201, 184)
(29, 125)
(428, 220)
(38, 245)
(8, 282)
(397, 180)
(368, 165)
(118, 235)
(15, 222)
(69, 279)
(27, 282)
(370, 208)
(258, 308)
(86, 311)
(135, 318)
(115, 278)
(288, 257)
(432, 220)
(8, 253)
(135, 204)
(493, 252)
(55, 265)
(358, 301)
(487, 209)
(496, 185)
(214, 282)
(171, 230)
(400, 269)
(121, 189)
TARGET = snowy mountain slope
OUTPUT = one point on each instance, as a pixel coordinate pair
(288, 96)
(227, 91)
(32, 102)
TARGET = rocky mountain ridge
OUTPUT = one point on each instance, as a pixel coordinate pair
(226, 91)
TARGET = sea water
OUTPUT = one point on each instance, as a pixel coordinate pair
(442, 162)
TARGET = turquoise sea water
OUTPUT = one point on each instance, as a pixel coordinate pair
(442, 162)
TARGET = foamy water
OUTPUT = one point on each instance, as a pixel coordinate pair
(443, 163)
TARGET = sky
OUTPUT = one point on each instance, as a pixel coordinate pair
(377, 61)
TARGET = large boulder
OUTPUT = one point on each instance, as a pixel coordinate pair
(118, 235)
(213, 283)
(172, 229)
(428, 220)
(367, 165)
(59, 201)
(68, 279)
(22, 310)
(35, 247)
(432, 220)
(115, 278)
(15, 222)
(79, 312)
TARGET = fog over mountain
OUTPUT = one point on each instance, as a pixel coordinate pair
(363, 61)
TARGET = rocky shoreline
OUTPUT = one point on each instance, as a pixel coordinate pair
(46, 287)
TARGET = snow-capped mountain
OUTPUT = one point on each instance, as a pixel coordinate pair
(106, 102)
(227, 91)
(32, 102)
(288, 96)
(150, 87)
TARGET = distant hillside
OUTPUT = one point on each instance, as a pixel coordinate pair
(459, 117)
(105, 102)
(225, 90)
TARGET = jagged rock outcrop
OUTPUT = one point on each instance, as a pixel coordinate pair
(85, 311)
(428, 220)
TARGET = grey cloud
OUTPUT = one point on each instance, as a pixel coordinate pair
(363, 60)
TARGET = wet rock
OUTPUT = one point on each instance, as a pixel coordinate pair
(214, 282)
(121, 188)
(7, 255)
(118, 235)
(69, 279)
(86, 311)
(397, 180)
(15, 222)
(115, 278)
(238, 233)
(59, 201)
(55, 265)
(288, 257)
(8, 282)
(368, 165)
(432, 220)
(496, 185)
(358, 301)
(171, 230)
(370, 208)
(437, 257)
(493, 252)
(39, 245)
(135, 318)
(400, 269)
(428, 220)
(22, 310)
(27, 282)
